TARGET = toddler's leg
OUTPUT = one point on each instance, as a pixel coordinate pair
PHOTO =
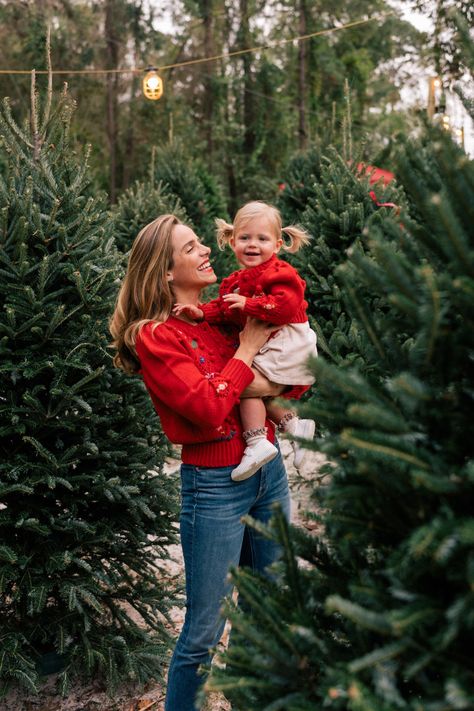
(258, 450)
(289, 422)
(252, 413)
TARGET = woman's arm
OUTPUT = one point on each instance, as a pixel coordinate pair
(171, 374)
(262, 387)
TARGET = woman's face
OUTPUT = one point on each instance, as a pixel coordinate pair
(191, 266)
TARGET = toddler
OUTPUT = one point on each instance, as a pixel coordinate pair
(271, 290)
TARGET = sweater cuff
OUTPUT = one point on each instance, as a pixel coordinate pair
(258, 310)
(238, 373)
(211, 311)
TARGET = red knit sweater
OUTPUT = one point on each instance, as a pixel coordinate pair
(274, 292)
(195, 385)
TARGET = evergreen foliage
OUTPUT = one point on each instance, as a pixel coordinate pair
(139, 205)
(199, 195)
(85, 519)
(332, 200)
(300, 176)
(381, 616)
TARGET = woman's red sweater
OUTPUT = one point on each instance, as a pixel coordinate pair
(195, 385)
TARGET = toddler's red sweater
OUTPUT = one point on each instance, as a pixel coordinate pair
(274, 292)
(195, 385)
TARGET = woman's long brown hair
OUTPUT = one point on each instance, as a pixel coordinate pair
(145, 294)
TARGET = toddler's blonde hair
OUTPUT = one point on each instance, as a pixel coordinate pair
(225, 231)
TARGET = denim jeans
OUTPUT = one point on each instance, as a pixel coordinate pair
(213, 538)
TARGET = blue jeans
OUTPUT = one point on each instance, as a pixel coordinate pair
(213, 538)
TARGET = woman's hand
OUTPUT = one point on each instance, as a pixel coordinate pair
(253, 336)
(190, 310)
(262, 387)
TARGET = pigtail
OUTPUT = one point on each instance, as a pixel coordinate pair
(298, 238)
(224, 233)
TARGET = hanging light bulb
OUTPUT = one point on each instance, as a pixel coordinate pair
(435, 96)
(152, 84)
(446, 122)
(459, 136)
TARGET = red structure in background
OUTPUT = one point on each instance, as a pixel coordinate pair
(375, 175)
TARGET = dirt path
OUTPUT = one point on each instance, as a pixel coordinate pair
(92, 697)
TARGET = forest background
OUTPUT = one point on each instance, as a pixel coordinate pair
(391, 290)
(240, 117)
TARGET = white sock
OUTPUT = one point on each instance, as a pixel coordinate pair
(252, 441)
(291, 425)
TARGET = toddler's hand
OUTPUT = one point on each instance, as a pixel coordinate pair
(235, 301)
(189, 309)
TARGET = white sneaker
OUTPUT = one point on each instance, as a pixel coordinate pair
(305, 430)
(255, 456)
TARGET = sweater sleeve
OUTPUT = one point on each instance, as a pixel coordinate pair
(170, 373)
(217, 311)
(213, 312)
(279, 296)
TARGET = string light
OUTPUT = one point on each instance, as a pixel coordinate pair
(152, 84)
(437, 110)
(459, 136)
(435, 96)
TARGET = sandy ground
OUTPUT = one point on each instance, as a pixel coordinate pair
(92, 697)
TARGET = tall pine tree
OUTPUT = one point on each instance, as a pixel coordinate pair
(199, 194)
(85, 515)
(140, 204)
(334, 201)
(381, 616)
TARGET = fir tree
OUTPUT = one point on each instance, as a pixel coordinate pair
(200, 196)
(334, 202)
(84, 515)
(139, 205)
(381, 617)
(299, 178)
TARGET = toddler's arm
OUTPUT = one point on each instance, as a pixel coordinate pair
(280, 298)
(190, 310)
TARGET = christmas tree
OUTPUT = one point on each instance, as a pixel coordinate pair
(334, 200)
(200, 196)
(300, 176)
(139, 205)
(381, 615)
(84, 515)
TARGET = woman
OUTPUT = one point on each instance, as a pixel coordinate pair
(195, 375)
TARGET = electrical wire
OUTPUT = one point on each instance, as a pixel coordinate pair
(202, 60)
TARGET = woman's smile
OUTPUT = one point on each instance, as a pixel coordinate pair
(206, 266)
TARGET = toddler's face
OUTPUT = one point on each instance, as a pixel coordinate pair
(255, 242)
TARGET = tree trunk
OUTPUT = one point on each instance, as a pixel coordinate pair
(249, 119)
(209, 103)
(112, 52)
(129, 143)
(302, 30)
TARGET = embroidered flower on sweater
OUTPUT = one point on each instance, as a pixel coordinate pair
(221, 386)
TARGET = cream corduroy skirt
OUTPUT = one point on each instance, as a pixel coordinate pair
(283, 358)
